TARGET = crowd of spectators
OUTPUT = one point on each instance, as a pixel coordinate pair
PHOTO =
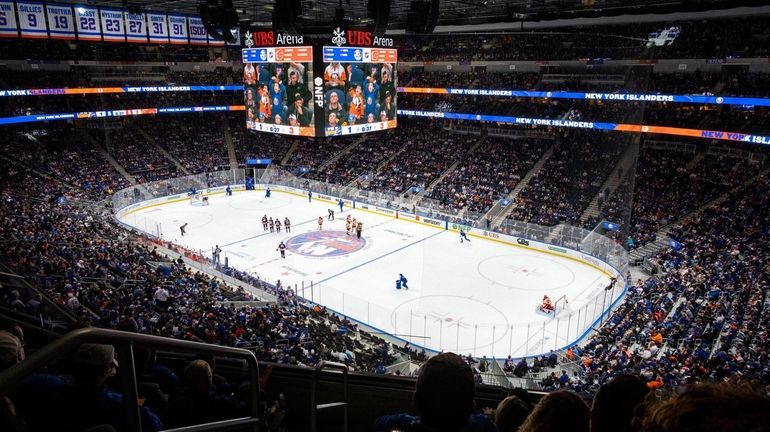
(705, 316)
(569, 179)
(362, 160)
(197, 141)
(667, 188)
(134, 151)
(488, 174)
(717, 38)
(113, 279)
(429, 152)
(52, 49)
(59, 151)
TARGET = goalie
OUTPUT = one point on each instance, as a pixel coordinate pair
(546, 306)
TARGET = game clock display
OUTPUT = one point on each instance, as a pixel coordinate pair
(335, 90)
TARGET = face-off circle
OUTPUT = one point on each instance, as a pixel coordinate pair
(325, 244)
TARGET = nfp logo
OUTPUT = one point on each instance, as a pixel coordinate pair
(325, 244)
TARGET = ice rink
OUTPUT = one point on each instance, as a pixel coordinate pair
(477, 297)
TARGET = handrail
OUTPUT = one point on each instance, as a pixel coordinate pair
(124, 343)
(314, 407)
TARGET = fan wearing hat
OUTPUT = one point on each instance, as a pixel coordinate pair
(301, 113)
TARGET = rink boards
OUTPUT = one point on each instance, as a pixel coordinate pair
(439, 320)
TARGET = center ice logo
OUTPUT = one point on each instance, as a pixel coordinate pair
(324, 244)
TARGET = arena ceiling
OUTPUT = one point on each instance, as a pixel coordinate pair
(452, 12)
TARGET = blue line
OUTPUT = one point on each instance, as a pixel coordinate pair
(380, 257)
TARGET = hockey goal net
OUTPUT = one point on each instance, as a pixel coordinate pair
(552, 308)
(197, 199)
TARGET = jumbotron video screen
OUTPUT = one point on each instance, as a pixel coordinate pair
(359, 89)
(277, 90)
(319, 90)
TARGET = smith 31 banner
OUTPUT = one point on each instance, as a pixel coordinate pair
(8, 27)
(32, 20)
(61, 24)
(619, 127)
(158, 27)
(622, 97)
(87, 23)
(113, 29)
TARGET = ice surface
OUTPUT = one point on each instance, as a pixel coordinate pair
(478, 297)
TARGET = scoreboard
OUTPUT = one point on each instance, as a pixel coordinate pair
(318, 90)
(359, 89)
(277, 95)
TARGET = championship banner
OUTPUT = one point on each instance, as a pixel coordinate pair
(198, 35)
(32, 20)
(112, 25)
(158, 27)
(178, 29)
(61, 22)
(136, 28)
(8, 27)
(87, 23)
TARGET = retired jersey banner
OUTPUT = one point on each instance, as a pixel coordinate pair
(87, 23)
(113, 29)
(8, 27)
(136, 27)
(158, 27)
(177, 26)
(61, 24)
(32, 20)
(198, 34)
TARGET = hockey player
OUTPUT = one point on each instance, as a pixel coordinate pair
(264, 223)
(183, 229)
(359, 228)
(272, 225)
(282, 249)
(401, 282)
(347, 226)
(309, 196)
(341, 204)
(228, 190)
(287, 225)
(320, 223)
(267, 192)
(277, 225)
(464, 236)
(348, 218)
